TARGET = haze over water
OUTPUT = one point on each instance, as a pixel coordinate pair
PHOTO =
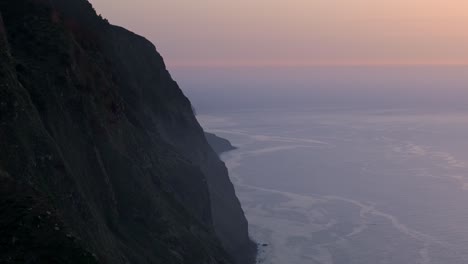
(413, 87)
(346, 165)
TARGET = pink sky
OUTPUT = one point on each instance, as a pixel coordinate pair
(298, 32)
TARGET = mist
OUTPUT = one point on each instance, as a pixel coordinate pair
(230, 88)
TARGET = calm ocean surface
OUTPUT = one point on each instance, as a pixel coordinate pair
(351, 187)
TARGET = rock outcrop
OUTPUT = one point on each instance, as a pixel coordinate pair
(218, 144)
(102, 159)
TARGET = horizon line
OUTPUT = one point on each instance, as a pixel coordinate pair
(293, 64)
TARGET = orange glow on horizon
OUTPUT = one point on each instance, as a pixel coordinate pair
(279, 64)
(298, 32)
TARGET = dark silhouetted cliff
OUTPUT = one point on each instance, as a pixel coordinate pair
(102, 159)
(219, 145)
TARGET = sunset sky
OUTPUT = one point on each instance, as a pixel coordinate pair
(298, 32)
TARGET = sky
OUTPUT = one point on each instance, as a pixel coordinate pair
(297, 32)
(326, 53)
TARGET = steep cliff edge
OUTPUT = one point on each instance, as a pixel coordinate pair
(102, 159)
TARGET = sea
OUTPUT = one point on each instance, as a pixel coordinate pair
(344, 186)
(344, 165)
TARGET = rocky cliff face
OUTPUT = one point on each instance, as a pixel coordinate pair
(102, 159)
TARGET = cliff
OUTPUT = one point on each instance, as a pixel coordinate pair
(102, 158)
(218, 144)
